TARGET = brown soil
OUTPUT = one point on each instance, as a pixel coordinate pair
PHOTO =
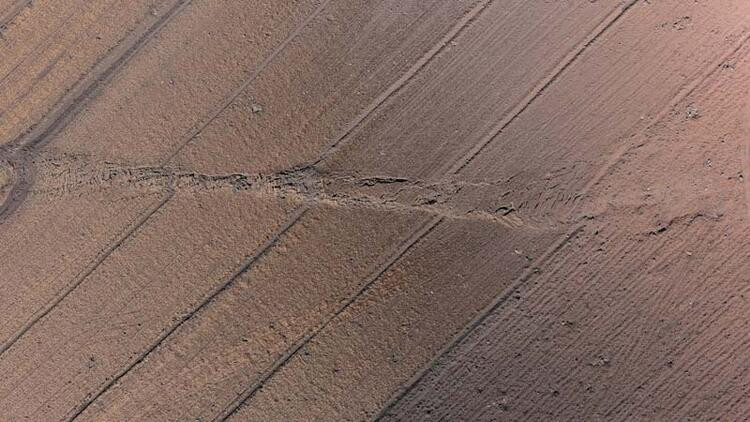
(357, 210)
(6, 181)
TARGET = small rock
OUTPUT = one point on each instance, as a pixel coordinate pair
(681, 23)
(692, 112)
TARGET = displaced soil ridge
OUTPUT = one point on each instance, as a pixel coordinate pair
(76, 176)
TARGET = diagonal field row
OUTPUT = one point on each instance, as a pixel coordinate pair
(575, 123)
(41, 67)
(282, 397)
(641, 316)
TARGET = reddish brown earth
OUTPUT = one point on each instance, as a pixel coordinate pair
(314, 210)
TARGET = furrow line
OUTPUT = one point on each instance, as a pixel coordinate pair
(259, 254)
(409, 243)
(9, 15)
(455, 31)
(84, 274)
(539, 90)
(477, 321)
(685, 92)
(70, 105)
(240, 89)
(101, 73)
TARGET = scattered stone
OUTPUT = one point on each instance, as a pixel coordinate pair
(681, 23)
(692, 112)
(601, 362)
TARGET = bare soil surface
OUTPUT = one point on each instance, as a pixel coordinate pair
(475, 210)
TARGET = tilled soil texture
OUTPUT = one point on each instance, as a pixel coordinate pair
(374, 210)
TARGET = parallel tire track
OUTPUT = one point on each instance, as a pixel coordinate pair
(399, 84)
(102, 72)
(410, 242)
(249, 264)
(9, 15)
(571, 58)
(615, 158)
(264, 250)
(539, 90)
(21, 181)
(244, 85)
(19, 153)
(33, 52)
(393, 89)
(478, 320)
(84, 274)
(423, 231)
